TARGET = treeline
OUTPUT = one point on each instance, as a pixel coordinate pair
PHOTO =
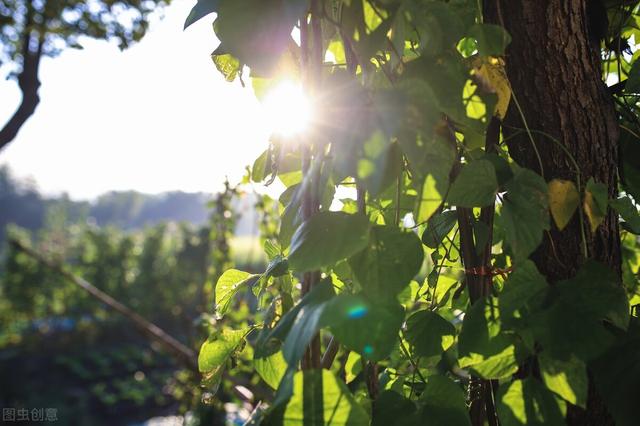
(22, 204)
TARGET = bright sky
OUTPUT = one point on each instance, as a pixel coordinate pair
(154, 118)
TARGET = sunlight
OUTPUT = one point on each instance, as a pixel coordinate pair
(288, 109)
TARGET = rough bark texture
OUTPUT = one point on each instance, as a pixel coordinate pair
(553, 65)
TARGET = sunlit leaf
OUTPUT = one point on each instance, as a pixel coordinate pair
(483, 347)
(353, 366)
(494, 78)
(271, 368)
(568, 379)
(527, 402)
(228, 285)
(320, 398)
(228, 66)
(216, 351)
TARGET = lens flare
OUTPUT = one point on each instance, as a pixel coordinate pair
(357, 311)
(288, 109)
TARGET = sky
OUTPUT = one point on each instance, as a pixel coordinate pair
(156, 117)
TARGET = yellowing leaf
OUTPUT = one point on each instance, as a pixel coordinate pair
(491, 73)
(595, 203)
(593, 213)
(563, 201)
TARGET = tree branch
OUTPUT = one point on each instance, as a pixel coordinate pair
(28, 82)
(171, 344)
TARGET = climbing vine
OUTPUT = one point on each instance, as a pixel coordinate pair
(416, 298)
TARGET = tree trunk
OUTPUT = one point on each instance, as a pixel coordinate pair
(553, 65)
(29, 84)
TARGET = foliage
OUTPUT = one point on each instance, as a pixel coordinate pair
(164, 272)
(63, 23)
(408, 95)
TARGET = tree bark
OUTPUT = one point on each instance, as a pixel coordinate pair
(553, 65)
(29, 84)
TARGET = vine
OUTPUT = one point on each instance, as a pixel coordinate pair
(409, 101)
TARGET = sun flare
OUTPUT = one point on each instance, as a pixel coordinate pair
(288, 109)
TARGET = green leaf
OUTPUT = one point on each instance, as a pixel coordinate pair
(633, 82)
(259, 170)
(597, 292)
(595, 203)
(271, 368)
(391, 408)
(483, 347)
(228, 286)
(371, 329)
(522, 285)
(617, 376)
(327, 238)
(320, 398)
(525, 212)
(272, 249)
(429, 333)
(625, 207)
(353, 366)
(438, 227)
(216, 351)
(292, 214)
(571, 321)
(443, 403)
(228, 65)
(568, 379)
(389, 263)
(438, 24)
(380, 165)
(258, 32)
(630, 158)
(277, 267)
(218, 348)
(563, 201)
(527, 402)
(475, 186)
(308, 320)
(320, 293)
(436, 157)
(430, 199)
(200, 10)
(492, 39)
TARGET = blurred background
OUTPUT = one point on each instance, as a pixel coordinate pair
(123, 156)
